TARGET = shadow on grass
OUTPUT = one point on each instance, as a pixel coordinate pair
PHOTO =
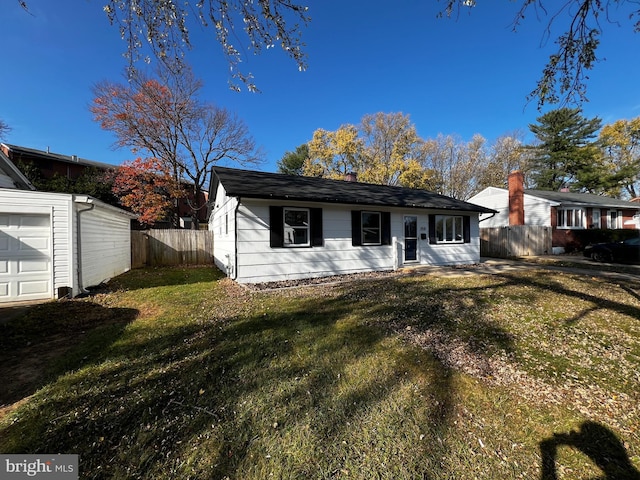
(554, 283)
(51, 339)
(309, 387)
(595, 441)
(150, 277)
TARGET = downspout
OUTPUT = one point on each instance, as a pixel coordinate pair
(81, 289)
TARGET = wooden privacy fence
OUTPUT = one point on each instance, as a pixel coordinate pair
(171, 247)
(515, 241)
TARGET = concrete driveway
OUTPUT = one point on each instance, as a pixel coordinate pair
(12, 309)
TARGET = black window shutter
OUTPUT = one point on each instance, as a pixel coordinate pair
(276, 227)
(356, 228)
(386, 228)
(432, 230)
(316, 227)
(466, 228)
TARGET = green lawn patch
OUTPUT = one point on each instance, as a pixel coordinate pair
(180, 373)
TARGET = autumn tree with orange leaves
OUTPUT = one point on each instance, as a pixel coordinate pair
(165, 118)
(146, 187)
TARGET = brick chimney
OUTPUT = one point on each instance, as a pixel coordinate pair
(351, 177)
(516, 198)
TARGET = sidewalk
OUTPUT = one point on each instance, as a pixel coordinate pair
(560, 263)
(574, 264)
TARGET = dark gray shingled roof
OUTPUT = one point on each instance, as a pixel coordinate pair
(582, 199)
(57, 156)
(277, 186)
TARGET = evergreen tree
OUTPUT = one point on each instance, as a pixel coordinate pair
(292, 163)
(566, 154)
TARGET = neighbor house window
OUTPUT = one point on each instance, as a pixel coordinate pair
(449, 229)
(614, 219)
(596, 218)
(296, 227)
(570, 218)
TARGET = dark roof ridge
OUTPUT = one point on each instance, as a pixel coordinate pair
(576, 197)
(58, 156)
(269, 185)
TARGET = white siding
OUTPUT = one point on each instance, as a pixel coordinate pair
(106, 248)
(105, 244)
(258, 262)
(223, 225)
(537, 211)
(496, 199)
(6, 181)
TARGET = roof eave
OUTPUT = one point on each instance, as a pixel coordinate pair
(338, 201)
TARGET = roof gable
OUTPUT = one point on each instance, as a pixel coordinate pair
(277, 186)
(19, 180)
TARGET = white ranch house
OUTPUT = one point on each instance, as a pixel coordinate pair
(271, 227)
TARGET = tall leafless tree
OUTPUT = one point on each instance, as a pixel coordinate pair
(164, 117)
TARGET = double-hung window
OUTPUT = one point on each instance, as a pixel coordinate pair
(570, 218)
(296, 227)
(596, 218)
(614, 219)
(371, 228)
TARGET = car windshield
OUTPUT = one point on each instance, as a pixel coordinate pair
(632, 241)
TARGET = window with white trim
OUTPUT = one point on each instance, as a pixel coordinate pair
(296, 227)
(449, 229)
(614, 219)
(596, 218)
(371, 228)
(570, 218)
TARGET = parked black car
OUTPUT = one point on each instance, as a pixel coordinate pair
(622, 252)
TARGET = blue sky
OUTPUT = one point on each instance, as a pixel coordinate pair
(452, 76)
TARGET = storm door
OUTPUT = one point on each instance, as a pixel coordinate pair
(410, 238)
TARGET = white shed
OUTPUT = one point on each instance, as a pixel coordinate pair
(58, 244)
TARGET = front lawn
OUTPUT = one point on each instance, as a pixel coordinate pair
(179, 373)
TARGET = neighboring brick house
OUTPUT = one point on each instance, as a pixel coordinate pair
(72, 167)
(51, 164)
(567, 213)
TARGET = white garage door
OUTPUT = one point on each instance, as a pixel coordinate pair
(25, 257)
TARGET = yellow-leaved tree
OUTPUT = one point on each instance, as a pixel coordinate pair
(621, 144)
(384, 149)
(334, 154)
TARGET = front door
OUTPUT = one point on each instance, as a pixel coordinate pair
(410, 238)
